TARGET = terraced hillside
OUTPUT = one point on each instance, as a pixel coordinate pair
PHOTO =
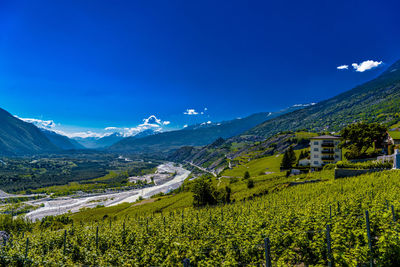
(226, 154)
(294, 218)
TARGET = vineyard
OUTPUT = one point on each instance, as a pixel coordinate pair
(295, 221)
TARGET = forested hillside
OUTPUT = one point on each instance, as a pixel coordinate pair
(223, 154)
(18, 137)
(195, 135)
(375, 101)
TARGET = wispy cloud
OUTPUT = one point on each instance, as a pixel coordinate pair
(343, 67)
(366, 65)
(46, 124)
(151, 122)
(86, 134)
(304, 105)
(190, 111)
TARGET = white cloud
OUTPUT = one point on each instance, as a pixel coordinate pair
(204, 123)
(49, 124)
(152, 122)
(111, 128)
(190, 111)
(86, 134)
(304, 105)
(366, 65)
(343, 67)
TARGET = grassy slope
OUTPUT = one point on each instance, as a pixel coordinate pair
(263, 183)
(294, 219)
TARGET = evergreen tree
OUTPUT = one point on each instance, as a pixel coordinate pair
(285, 164)
(289, 159)
(292, 156)
(246, 175)
(228, 191)
(250, 183)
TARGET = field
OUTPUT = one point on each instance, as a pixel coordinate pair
(293, 212)
(182, 198)
(64, 174)
(294, 219)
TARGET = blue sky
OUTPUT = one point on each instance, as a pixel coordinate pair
(88, 65)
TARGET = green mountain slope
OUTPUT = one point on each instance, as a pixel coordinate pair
(19, 137)
(62, 141)
(375, 101)
(226, 154)
(196, 135)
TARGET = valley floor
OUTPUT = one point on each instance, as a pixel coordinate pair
(63, 205)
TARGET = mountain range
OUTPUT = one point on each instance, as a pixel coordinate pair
(375, 101)
(18, 137)
(195, 135)
(62, 141)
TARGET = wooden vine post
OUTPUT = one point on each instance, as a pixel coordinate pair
(371, 262)
(97, 237)
(27, 248)
(393, 214)
(267, 252)
(65, 241)
(328, 244)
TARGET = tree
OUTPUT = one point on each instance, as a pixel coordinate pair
(246, 175)
(250, 183)
(292, 156)
(228, 191)
(203, 193)
(359, 137)
(289, 159)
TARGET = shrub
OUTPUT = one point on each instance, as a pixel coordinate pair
(363, 165)
(250, 183)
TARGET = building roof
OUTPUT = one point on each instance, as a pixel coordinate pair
(326, 137)
(394, 134)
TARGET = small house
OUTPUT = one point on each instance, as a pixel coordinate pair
(394, 137)
(324, 149)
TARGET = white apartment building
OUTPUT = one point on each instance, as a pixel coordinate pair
(324, 149)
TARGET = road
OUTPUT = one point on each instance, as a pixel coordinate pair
(201, 168)
(63, 205)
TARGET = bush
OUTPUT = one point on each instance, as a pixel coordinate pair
(246, 175)
(250, 183)
(233, 180)
(363, 165)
